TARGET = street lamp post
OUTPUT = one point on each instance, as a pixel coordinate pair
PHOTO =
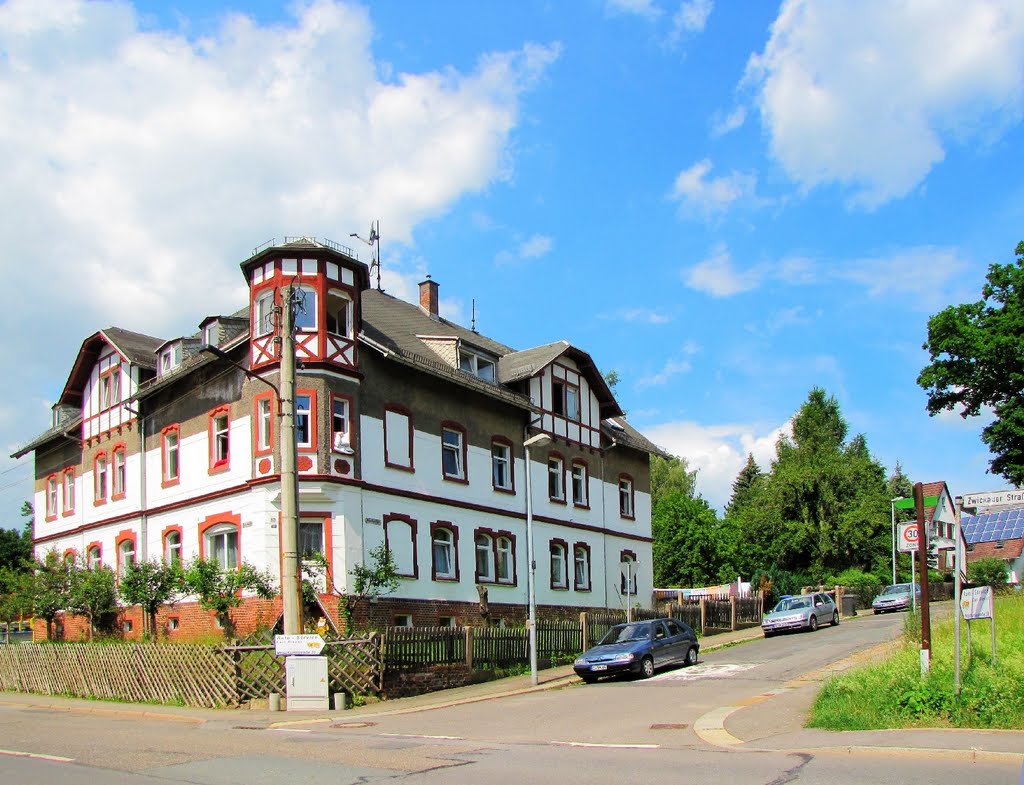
(534, 441)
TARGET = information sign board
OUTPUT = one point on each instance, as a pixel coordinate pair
(287, 645)
(976, 603)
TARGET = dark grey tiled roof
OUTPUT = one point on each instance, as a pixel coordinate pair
(522, 365)
(621, 432)
(64, 428)
(139, 349)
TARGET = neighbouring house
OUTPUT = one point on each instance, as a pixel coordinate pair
(410, 433)
(996, 532)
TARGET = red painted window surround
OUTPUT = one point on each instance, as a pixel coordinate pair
(219, 462)
(173, 528)
(412, 523)
(69, 504)
(311, 446)
(257, 448)
(167, 480)
(118, 479)
(100, 479)
(125, 535)
(216, 520)
(52, 497)
(454, 531)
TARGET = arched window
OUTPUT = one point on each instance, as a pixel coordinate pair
(263, 313)
(93, 557)
(484, 558)
(581, 567)
(559, 579)
(172, 547)
(220, 543)
(400, 537)
(125, 555)
(445, 565)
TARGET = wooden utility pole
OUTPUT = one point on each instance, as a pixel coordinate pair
(291, 590)
(922, 563)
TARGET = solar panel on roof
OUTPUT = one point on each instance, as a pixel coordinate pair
(995, 525)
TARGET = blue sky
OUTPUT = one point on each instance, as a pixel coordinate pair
(726, 203)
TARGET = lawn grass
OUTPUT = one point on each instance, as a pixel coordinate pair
(892, 694)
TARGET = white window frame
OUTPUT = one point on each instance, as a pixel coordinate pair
(504, 563)
(484, 558)
(263, 423)
(172, 547)
(556, 478)
(94, 557)
(263, 313)
(221, 533)
(581, 567)
(501, 465)
(120, 479)
(341, 439)
(307, 316)
(477, 364)
(445, 543)
(304, 412)
(51, 497)
(450, 449)
(172, 456)
(558, 565)
(580, 495)
(220, 452)
(125, 555)
(310, 523)
(335, 299)
(626, 497)
(69, 491)
(100, 478)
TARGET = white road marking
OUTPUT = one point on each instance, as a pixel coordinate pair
(422, 736)
(36, 756)
(291, 730)
(705, 670)
(606, 746)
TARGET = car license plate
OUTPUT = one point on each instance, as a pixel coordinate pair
(598, 667)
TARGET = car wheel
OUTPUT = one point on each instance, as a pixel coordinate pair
(768, 633)
(812, 623)
(646, 668)
(691, 656)
(835, 618)
(589, 679)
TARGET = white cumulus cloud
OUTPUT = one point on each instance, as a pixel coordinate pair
(870, 94)
(697, 193)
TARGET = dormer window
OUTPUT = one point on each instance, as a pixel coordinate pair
(170, 358)
(210, 334)
(477, 364)
(339, 314)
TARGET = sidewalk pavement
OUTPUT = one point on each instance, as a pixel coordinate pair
(754, 724)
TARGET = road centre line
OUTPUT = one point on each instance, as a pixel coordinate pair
(606, 746)
(36, 756)
(422, 736)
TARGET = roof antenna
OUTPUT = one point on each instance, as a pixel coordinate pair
(473, 322)
(374, 243)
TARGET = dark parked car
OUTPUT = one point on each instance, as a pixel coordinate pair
(639, 647)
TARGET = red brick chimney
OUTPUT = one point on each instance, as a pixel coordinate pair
(428, 296)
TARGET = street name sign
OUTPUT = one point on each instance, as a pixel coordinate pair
(288, 645)
(993, 498)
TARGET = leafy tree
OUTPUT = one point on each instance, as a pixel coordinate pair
(685, 550)
(823, 506)
(51, 588)
(671, 474)
(977, 360)
(16, 595)
(15, 546)
(151, 585)
(744, 482)
(988, 572)
(221, 590)
(92, 593)
(900, 487)
(376, 578)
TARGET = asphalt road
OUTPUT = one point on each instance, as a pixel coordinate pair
(615, 732)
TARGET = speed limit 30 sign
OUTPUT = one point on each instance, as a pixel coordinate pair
(906, 537)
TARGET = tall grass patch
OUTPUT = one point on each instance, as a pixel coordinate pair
(892, 694)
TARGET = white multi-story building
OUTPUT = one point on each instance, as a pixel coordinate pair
(410, 432)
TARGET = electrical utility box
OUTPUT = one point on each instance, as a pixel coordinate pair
(306, 683)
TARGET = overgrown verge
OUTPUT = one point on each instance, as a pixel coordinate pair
(892, 694)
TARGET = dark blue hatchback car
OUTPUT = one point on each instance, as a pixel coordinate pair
(639, 647)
